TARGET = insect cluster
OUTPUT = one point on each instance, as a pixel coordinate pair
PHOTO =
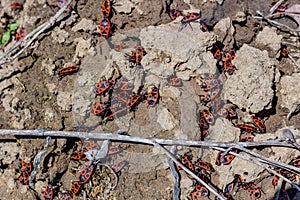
(186, 18)
(204, 169)
(26, 169)
(87, 157)
(88, 154)
(105, 24)
(121, 99)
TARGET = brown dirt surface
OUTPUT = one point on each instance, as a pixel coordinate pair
(35, 97)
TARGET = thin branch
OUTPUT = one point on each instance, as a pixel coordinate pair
(170, 155)
(294, 61)
(35, 34)
(36, 163)
(275, 6)
(133, 139)
(175, 173)
(274, 22)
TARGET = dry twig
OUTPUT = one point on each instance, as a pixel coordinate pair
(35, 33)
(274, 22)
(175, 173)
(170, 155)
(126, 138)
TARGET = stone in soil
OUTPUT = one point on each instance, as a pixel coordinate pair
(250, 87)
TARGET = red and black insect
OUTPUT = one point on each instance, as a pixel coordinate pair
(228, 113)
(280, 8)
(78, 155)
(106, 8)
(89, 145)
(223, 112)
(75, 188)
(17, 5)
(260, 124)
(85, 174)
(102, 87)
(127, 86)
(230, 187)
(240, 181)
(203, 126)
(202, 122)
(236, 181)
(254, 191)
(246, 127)
(217, 49)
(229, 68)
(210, 95)
(204, 132)
(49, 192)
(284, 51)
(105, 28)
(275, 179)
(61, 3)
(175, 82)
(188, 18)
(20, 33)
(203, 26)
(232, 114)
(112, 150)
(295, 162)
(288, 174)
(201, 164)
(200, 192)
(153, 97)
(225, 159)
(99, 109)
(141, 50)
(118, 166)
(137, 56)
(24, 177)
(231, 53)
(247, 138)
(174, 13)
(68, 70)
(208, 116)
(208, 82)
(186, 160)
(116, 110)
(134, 100)
(26, 167)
